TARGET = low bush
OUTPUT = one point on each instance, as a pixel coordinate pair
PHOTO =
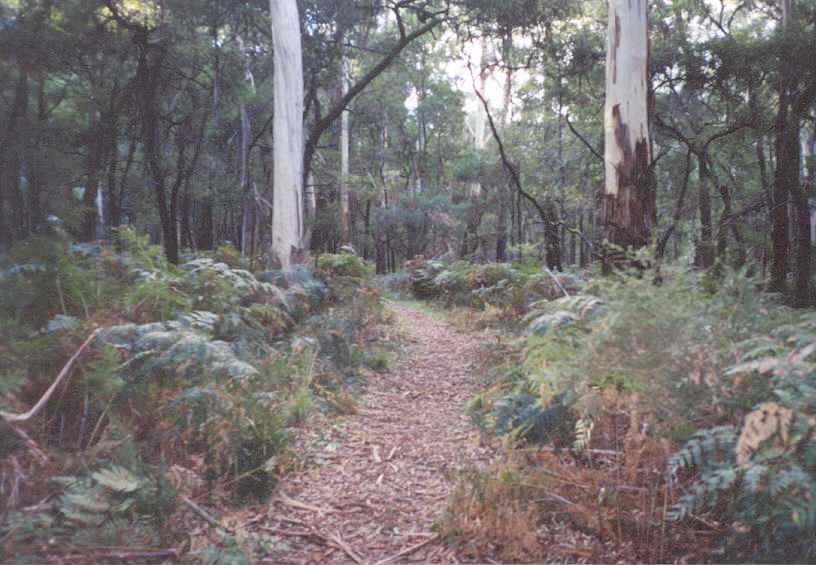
(630, 369)
(511, 288)
(760, 474)
(191, 386)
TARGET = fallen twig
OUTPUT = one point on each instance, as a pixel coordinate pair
(557, 282)
(302, 505)
(408, 550)
(204, 514)
(337, 540)
(63, 374)
(138, 555)
(332, 541)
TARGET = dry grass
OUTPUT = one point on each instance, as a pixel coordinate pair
(493, 513)
(607, 503)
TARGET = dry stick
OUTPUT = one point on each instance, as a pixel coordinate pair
(408, 550)
(557, 282)
(138, 555)
(204, 514)
(332, 541)
(504, 158)
(338, 541)
(99, 421)
(583, 140)
(302, 505)
(63, 374)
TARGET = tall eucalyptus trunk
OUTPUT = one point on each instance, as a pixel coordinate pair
(287, 213)
(629, 209)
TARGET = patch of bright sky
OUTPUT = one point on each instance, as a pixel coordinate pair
(459, 74)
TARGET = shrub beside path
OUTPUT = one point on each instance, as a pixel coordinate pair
(371, 489)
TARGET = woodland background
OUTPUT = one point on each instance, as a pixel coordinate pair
(647, 383)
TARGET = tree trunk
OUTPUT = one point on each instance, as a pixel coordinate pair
(248, 201)
(501, 224)
(11, 151)
(551, 236)
(96, 151)
(367, 231)
(503, 189)
(782, 173)
(705, 250)
(36, 213)
(311, 211)
(801, 212)
(629, 209)
(17, 109)
(343, 231)
(150, 73)
(287, 212)
(581, 245)
(729, 223)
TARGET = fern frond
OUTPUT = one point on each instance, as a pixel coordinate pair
(706, 448)
(703, 493)
(754, 477)
(584, 305)
(791, 479)
(546, 322)
(118, 479)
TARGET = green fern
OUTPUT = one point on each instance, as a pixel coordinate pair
(89, 500)
(704, 492)
(118, 479)
(708, 448)
(183, 346)
(583, 305)
(770, 465)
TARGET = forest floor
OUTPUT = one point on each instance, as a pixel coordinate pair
(371, 485)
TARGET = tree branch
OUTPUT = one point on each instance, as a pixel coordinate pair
(583, 139)
(678, 210)
(503, 154)
(327, 120)
(63, 375)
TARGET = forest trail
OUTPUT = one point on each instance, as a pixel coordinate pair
(370, 492)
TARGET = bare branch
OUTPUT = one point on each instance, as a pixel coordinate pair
(583, 139)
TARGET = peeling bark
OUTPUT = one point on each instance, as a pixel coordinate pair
(629, 209)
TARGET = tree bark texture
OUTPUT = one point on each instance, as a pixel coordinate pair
(629, 209)
(287, 212)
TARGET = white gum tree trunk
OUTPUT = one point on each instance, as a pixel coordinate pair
(476, 122)
(629, 203)
(287, 213)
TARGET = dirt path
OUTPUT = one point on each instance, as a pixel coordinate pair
(372, 488)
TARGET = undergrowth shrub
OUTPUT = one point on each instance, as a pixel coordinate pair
(617, 374)
(343, 265)
(664, 346)
(192, 385)
(508, 288)
(398, 283)
(493, 511)
(761, 474)
(47, 275)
